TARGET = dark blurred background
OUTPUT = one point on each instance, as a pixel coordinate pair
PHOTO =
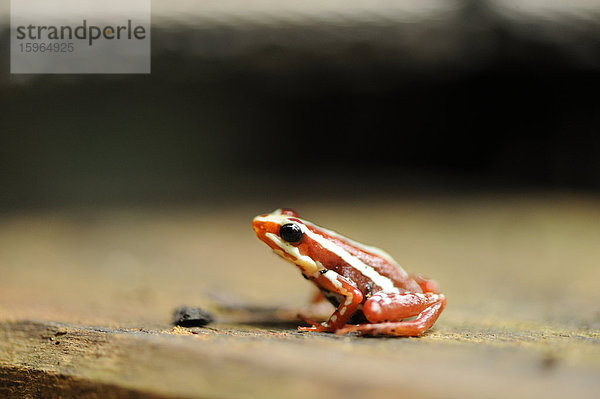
(251, 99)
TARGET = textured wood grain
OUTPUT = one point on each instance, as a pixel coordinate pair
(86, 301)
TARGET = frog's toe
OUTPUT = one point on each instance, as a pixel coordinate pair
(314, 325)
(317, 328)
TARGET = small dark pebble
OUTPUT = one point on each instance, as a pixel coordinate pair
(186, 316)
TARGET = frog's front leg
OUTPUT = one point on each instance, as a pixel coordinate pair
(385, 311)
(333, 282)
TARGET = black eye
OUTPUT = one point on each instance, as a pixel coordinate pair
(291, 232)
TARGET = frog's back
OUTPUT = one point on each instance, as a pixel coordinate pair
(371, 268)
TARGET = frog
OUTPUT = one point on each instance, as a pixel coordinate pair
(362, 282)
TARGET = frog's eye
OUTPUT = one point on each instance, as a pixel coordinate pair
(291, 232)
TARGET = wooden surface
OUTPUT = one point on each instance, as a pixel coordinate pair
(86, 299)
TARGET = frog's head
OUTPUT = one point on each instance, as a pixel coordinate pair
(278, 228)
(285, 233)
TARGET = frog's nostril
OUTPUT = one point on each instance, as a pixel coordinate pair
(257, 226)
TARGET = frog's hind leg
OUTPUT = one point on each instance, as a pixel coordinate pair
(385, 311)
(426, 284)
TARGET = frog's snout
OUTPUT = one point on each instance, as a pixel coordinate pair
(257, 226)
(262, 225)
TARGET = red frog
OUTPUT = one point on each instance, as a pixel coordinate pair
(359, 280)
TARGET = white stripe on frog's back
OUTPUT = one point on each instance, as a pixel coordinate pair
(386, 284)
(366, 248)
(306, 262)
